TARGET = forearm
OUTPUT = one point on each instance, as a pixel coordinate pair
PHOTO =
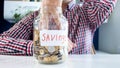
(97, 11)
(22, 29)
(17, 47)
(99, 0)
(113, 1)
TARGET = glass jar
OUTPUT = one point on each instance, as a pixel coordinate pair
(50, 34)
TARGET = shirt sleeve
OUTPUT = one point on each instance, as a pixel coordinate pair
(97, 11)
(11, 41)
(23, 29)
(17, 47)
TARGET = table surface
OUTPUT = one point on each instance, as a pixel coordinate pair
(73, 61)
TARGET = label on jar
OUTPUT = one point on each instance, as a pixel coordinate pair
(53, 37)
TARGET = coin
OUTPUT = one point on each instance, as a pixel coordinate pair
(54, 58)
(41, 51)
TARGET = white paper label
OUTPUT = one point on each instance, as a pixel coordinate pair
(53, 38)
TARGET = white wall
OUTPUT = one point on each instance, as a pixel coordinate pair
(109, 34)
(13, 0)
(17, 0)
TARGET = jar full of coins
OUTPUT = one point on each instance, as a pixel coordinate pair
(50, 33)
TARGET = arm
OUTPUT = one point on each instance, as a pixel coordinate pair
(18, 47)
(22, 29)
(97, 11)
(11, 42)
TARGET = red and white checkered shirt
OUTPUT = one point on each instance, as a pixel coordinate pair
(83, 21)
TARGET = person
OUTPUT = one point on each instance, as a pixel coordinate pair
(83, 21)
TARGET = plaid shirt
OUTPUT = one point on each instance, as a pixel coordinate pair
(83, 21)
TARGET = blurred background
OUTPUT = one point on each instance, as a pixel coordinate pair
(106, 38)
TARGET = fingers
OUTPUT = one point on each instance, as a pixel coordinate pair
(71, 45)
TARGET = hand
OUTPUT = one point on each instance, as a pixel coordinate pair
(65, 3)
(71, 45)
